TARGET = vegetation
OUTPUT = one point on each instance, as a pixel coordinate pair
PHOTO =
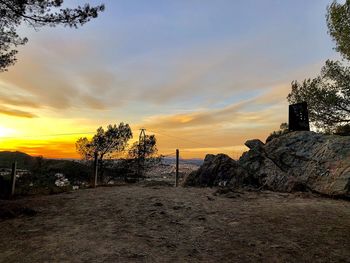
(145, 148)
(36, 13)
(328, 95)
(338, 21)
(39, 174)
(105, 143)
(143, 154)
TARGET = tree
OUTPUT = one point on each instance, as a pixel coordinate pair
(145, 148)
(105, 143)
(36, 13)
(338, 21)
(327, 96)
(143, 153)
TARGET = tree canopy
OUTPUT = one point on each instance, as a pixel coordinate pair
(105, 142)
(338, 21)
(327, 96)
(145, 148)
(36, 13)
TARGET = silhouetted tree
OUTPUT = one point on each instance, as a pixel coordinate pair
(105, 143)
(327, 96)
(144, 154)
(338, 21)
(36, 13)
(145, 148)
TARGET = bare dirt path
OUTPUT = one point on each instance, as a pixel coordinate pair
(164, 224)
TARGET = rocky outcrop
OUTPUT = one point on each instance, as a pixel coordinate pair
(293, 161)
(217, 170)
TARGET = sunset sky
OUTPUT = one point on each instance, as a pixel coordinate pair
(203, 75)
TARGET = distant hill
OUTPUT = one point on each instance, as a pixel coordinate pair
(24, 161)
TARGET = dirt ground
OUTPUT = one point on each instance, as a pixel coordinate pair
(140, 223)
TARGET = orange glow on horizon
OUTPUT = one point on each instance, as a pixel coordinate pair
(65, 148)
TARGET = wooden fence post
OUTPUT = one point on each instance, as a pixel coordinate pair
(13, 178)
(177, 168)
(95, 170)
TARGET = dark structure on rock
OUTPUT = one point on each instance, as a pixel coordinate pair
(299, 117)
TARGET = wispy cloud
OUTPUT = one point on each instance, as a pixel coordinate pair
(16, 113)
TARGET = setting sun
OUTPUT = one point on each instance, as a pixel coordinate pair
(5, 132)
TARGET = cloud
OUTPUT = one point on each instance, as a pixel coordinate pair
(18, 100)
(46, 86)
(222, 129)
(240, 114)
(16, 113)
(61, 75)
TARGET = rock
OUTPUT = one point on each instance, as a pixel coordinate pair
(295, 161)
(254, 144)
(308, 160)
(217, 170)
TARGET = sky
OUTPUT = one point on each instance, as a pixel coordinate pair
(203, 76)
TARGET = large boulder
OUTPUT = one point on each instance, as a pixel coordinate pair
(318, 162)
(292, 161)
(217, 170)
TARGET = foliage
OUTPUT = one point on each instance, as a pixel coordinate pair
(275, 134)
(76, 172)
(40, 176)
(338, 21)
(36, 13)
(327, 96)
(122, 169)
(146, 147)
(105, 144)
(143, 153)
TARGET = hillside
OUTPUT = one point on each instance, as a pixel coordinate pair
(24, 161)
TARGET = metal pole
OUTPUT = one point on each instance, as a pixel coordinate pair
(177, 168)
(13, 178)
